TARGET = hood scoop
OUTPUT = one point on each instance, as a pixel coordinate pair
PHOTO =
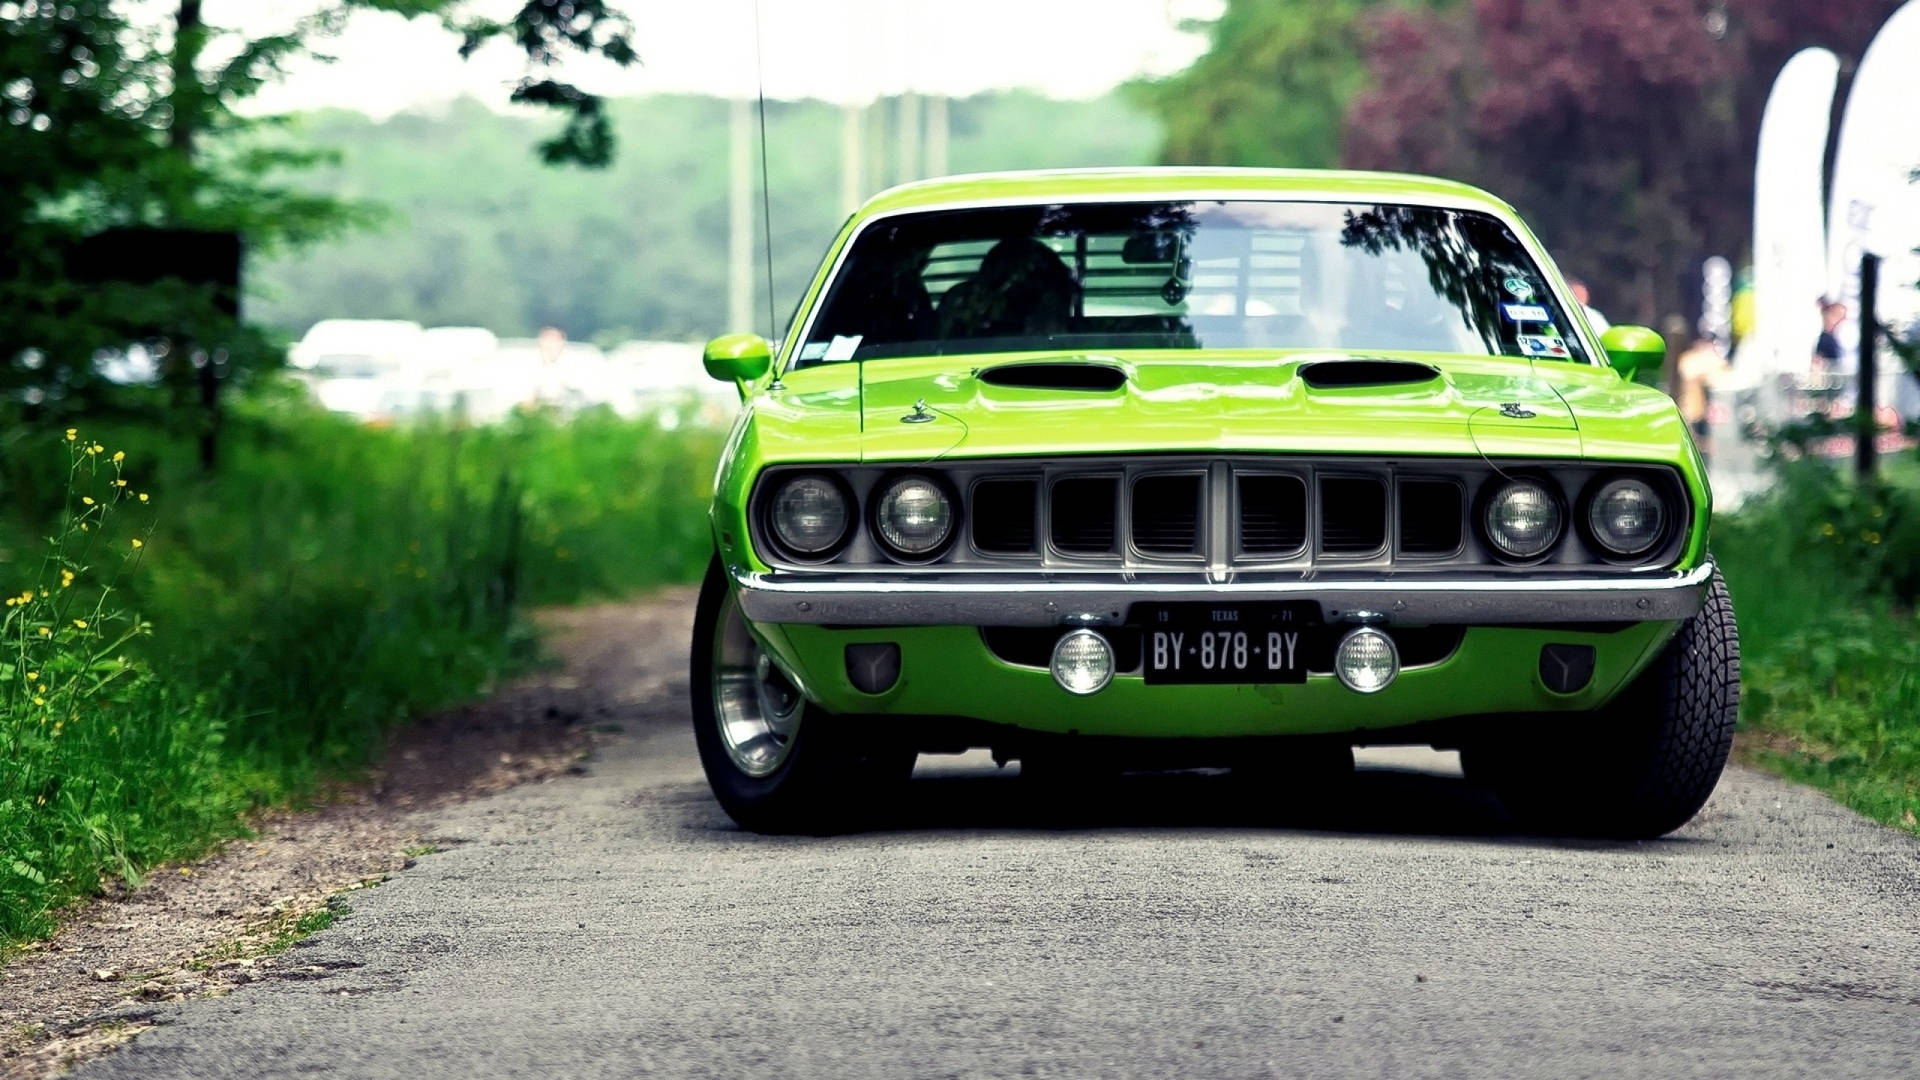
(1090, 378)
(1342, 374)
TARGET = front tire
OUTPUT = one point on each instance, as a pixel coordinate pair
(776, 762)
(1645, 764)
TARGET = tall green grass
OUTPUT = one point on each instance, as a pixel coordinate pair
(282, 614)
(1824, 573)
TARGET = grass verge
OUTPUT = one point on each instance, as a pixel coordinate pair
(180, 648)
(1824, 572)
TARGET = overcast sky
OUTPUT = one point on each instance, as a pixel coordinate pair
(840, 50)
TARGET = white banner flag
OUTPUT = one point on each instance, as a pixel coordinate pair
(1789, 235)
(1876, 205)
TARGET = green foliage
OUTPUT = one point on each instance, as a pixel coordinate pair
(480, 235)
(329, 582)
(547, 31)
(106, 124)
(1271, 90)
(1624, 131)
(1822, 572)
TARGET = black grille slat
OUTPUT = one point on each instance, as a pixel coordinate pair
(1273, 514)
(1004, 512)
(1081, 515)
(1353, 515)
(1166, 515)
(1431, 516)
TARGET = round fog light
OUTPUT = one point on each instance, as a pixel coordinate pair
(1366, 660)
(1082, 662)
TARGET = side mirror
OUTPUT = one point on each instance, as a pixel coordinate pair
(737, 357)
(1634, 350)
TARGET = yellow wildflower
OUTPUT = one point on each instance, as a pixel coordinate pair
(26, 596)
(45, 632)
(137, 543)
(120, 483)
(88, 499)
(143, 496)
(66, 578)
(95, 448)
(32, 675)
(38, 700)
(83, 527)
(81, 623)
(73, 433)
(119, 456)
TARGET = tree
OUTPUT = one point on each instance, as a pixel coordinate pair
(1271, 89)
(105, 125)
(1624, 131)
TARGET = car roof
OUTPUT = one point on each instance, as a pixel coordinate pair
(1175, 182)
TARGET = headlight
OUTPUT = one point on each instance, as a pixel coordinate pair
(914, 516)
(810, 515)
(1627, 516)
(1523, 519)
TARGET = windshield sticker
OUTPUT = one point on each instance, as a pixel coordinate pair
(1542, 345)
(1520, 288)
(813, 350)
(842, 348)
(1526, 312)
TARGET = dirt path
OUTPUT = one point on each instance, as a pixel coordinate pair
(204, 928)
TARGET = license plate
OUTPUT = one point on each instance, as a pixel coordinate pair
(1209, 643)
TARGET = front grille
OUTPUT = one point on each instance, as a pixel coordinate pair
(1262, 514)
(1273, 515)
(1166, 515)
(1004, 513)
(1431, 515)
(1353, 515)
(1082, 517)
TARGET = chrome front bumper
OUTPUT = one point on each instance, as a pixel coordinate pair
(845, 599)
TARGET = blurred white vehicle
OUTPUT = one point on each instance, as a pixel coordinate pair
(352, 364)
(665, 380)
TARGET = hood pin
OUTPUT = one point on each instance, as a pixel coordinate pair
(1516, 410)
(920, 414)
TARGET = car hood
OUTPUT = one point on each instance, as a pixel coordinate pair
(1307, 402)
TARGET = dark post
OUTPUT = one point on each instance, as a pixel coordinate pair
(1866, 449)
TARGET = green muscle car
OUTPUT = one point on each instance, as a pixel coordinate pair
(1200, 467)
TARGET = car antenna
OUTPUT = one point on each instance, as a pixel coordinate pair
(766, 187)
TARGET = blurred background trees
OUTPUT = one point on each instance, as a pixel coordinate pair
(1624, 132)
(477, 233)
(130, 179)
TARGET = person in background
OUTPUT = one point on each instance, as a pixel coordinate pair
(1695, 373)
(1584, 297)
(1826, 348)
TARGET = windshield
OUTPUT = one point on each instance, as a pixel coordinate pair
(1188, 275)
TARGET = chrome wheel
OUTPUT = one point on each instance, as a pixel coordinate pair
(755, 706)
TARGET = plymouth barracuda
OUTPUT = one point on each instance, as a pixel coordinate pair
(1196, 467)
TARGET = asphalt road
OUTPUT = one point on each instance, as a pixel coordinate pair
(618, 925)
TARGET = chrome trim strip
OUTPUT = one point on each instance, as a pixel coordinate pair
(935, 600)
